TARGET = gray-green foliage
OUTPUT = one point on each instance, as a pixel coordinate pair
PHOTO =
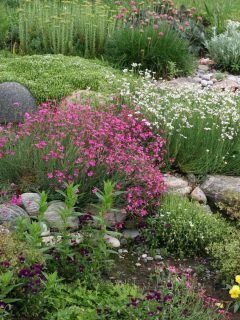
(224, 49)
(55, 76)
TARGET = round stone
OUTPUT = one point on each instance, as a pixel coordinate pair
(15, 101)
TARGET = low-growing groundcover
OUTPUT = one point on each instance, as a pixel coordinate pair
(186, 229)
(51, 77)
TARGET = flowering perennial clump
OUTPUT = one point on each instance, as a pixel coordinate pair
(73, 143)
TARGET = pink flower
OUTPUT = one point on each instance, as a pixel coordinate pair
(188, 284)
(90, 173)
(132, 3)
(187, 24)
(161, 34)
(155, 26)
(94, 190)
(50, 175)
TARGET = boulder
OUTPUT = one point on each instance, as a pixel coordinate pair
(15, 101)
(30, 202)
(115, 217)
(131, 234)
(9, 214)
(114, 242)
(52, 216)
(177, 184)
(198, 195)
(224, 191)
(228, 85)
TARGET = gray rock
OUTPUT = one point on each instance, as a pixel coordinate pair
(52, 216)
(158, 257)
(203, 67)
(207, 208)
(44, 230)
(130, 234)
(227, 85)
(9, 214)
(30, 202)
(207, 77)
(177, 185)
(15, 101)
(114, 242)
(224, 191)
(197, 79)
(204, 83)
(115, 217)
(198, 195)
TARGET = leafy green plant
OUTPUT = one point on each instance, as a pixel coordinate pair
(184, 228)
(225, 257)
(66, 27)
(4, 26)
(151, 48)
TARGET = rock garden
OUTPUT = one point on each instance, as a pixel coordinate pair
(119, 160)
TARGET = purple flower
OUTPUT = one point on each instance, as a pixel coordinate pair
(167, 225)
(5, 264)
(151, 313)
(34, 291)
(169, 285)
(167, 298)
(81, 268)
(24, 273)
(21, 259)
(2, 305)
(84, 252)
(56, 257)
(134, 302)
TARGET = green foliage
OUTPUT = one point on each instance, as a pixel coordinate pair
(152, 50)
(224, 49)
(226, 256)
(12, 247)
(185, 228)
(66, 27)
(55, 76)
(4, 26)
(123, 301)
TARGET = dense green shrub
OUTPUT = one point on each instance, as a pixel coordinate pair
(185, 228)
(226, 256)
(4, 26)
(153, 49)
(55, 76)
(224, 49)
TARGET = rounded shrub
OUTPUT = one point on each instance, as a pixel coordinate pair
(185, 228)
(224, 49)
(153, 49)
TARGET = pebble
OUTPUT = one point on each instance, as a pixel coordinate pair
(150, 258)
(158, 257)
(204, 83)
(144, 255)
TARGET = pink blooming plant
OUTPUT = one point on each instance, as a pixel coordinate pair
(73, 143)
